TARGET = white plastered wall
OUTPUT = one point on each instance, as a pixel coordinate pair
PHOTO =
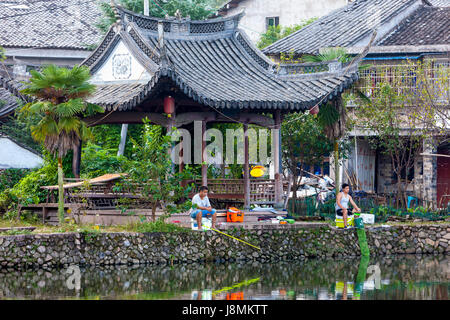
(290, 12)
(14, 156)
(121, 67)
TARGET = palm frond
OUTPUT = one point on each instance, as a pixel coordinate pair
(46, 127)
(92, 109)
(69, 124)
(70, 108)
(60, 92)
(40, 107)
(328, 54)
(85, 132)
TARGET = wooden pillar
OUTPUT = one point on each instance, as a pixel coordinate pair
(181, 162)
(277, 161)
(204, 165)
(181, 166)
(246, 169)
(76, 161)
(169, 109)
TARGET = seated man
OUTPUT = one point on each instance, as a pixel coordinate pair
(342, 200)
(203, 208)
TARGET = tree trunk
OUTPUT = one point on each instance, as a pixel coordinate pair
(76, 162)
(60, 192)
(336, 166)
(155, 204)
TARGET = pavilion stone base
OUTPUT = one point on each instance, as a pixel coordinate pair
(116, 217)
(294, 243)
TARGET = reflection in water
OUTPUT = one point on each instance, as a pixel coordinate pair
(400, 277)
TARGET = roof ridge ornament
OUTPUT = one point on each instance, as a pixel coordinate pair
(162, 49)
(178, 15)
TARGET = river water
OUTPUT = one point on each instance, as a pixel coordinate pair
(397, 277)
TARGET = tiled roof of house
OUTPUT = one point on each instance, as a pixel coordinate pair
(352, 25)
(440, 3)
(10, 93)
(8, 103)
(215, 64)
(426, 26)
(68, 24)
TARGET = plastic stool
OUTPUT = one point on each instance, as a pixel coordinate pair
(412, 199)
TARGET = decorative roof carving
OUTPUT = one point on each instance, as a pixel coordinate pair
(174, 26)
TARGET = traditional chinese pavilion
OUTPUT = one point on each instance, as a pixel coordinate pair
(208, 71)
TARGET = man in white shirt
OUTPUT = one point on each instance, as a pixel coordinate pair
(202, 207)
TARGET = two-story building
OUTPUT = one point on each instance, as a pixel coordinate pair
(407, 30)
(260, 14)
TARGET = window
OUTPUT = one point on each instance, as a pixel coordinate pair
(272, 22)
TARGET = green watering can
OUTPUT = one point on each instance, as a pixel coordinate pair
(359, 224)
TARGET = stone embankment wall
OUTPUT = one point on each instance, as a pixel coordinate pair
(294, 243)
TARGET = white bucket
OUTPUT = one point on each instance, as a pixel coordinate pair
(368, 218)
(206, 224)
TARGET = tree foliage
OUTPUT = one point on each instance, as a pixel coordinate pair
(195, 9)
(107, 136)
(97, 161)
(2, 54)
(275, 33)
(303, 144)
(329, 54)
(150, 172)
(28, 189)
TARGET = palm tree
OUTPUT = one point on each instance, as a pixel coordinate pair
(58, 102)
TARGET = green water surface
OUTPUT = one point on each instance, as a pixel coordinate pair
(400, 277)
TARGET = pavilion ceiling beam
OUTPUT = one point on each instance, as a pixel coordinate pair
(127, 117)
(258, 119)
(181, 119)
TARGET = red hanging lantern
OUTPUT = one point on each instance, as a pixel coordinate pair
(169, 105)
(314, 110)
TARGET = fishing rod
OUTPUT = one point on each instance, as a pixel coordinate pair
(233, 237)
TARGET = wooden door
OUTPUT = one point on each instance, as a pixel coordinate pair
(443, 179)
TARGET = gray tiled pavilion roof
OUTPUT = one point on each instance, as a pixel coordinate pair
(215, 64)
(350, 25)
(68, 24)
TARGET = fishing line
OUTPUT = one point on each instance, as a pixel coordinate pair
(251, 245)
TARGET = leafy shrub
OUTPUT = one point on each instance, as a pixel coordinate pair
(28, 189)
(9, 177)
(156, 226)
(96, 161)
(6, 199)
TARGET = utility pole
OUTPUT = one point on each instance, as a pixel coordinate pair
(123, 139)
